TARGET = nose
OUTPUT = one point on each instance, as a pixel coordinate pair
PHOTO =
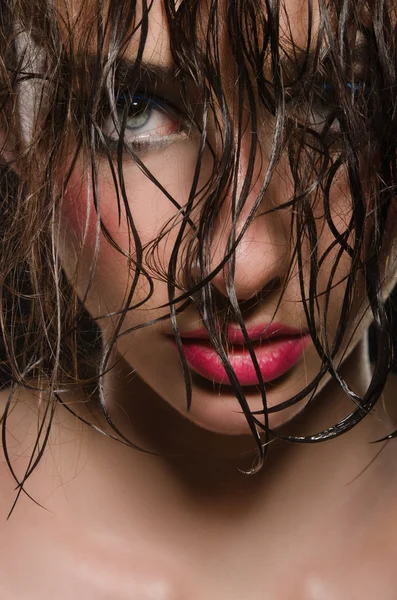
(261, 257)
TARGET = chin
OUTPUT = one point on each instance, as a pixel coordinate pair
(221, 413)
(214, 405)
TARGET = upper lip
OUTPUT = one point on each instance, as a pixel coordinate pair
(256, 333)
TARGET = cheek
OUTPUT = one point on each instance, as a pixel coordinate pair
(78, 216)
(333, 223)
(146, 209)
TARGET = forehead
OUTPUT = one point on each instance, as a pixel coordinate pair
(294, 18)
(293, 24)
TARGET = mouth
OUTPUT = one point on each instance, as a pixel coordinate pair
(277, 348)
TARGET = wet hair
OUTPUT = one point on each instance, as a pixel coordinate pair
(331, 104)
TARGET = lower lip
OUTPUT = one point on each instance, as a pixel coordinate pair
(275, 358)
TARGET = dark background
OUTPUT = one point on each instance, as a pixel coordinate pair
(392, 312)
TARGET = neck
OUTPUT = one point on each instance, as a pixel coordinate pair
(205, 464)
(196, 456)
(124, 506)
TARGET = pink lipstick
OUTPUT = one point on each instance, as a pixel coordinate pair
(277, 349)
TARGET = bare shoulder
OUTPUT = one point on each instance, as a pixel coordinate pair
(18, 395)
(6, 396)
(15, 404)
(20, 411)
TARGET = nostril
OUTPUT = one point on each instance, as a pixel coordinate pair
(272, 287)
(258, 268)
(224, 305)
(275, 285)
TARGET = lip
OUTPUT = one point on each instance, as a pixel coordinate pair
(277, 349)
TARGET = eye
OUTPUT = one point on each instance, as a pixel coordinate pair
(320, 106)
(327, 106)
(146, 123)
(327, 93)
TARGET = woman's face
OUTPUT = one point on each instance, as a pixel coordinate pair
(275, 320)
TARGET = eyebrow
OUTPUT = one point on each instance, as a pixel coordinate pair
(129, 72)
(292, 63)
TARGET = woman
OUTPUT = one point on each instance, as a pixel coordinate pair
(198, 225)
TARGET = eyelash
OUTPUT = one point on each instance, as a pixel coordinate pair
(357, 89)
(322, 114)
(169, 129)
(324, 91)
(324, 102)
(143, 142)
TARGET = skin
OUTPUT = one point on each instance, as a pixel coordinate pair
(316, 523)
(262, 257)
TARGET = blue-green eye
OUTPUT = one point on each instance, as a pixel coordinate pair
(139, 112)
(326, 107)
(357, 87)
(147, 123)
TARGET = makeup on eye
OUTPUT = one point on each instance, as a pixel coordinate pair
(147, 108)
(323, 110)
(144, 122)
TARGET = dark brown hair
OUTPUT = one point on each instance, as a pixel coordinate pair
(60, 75)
